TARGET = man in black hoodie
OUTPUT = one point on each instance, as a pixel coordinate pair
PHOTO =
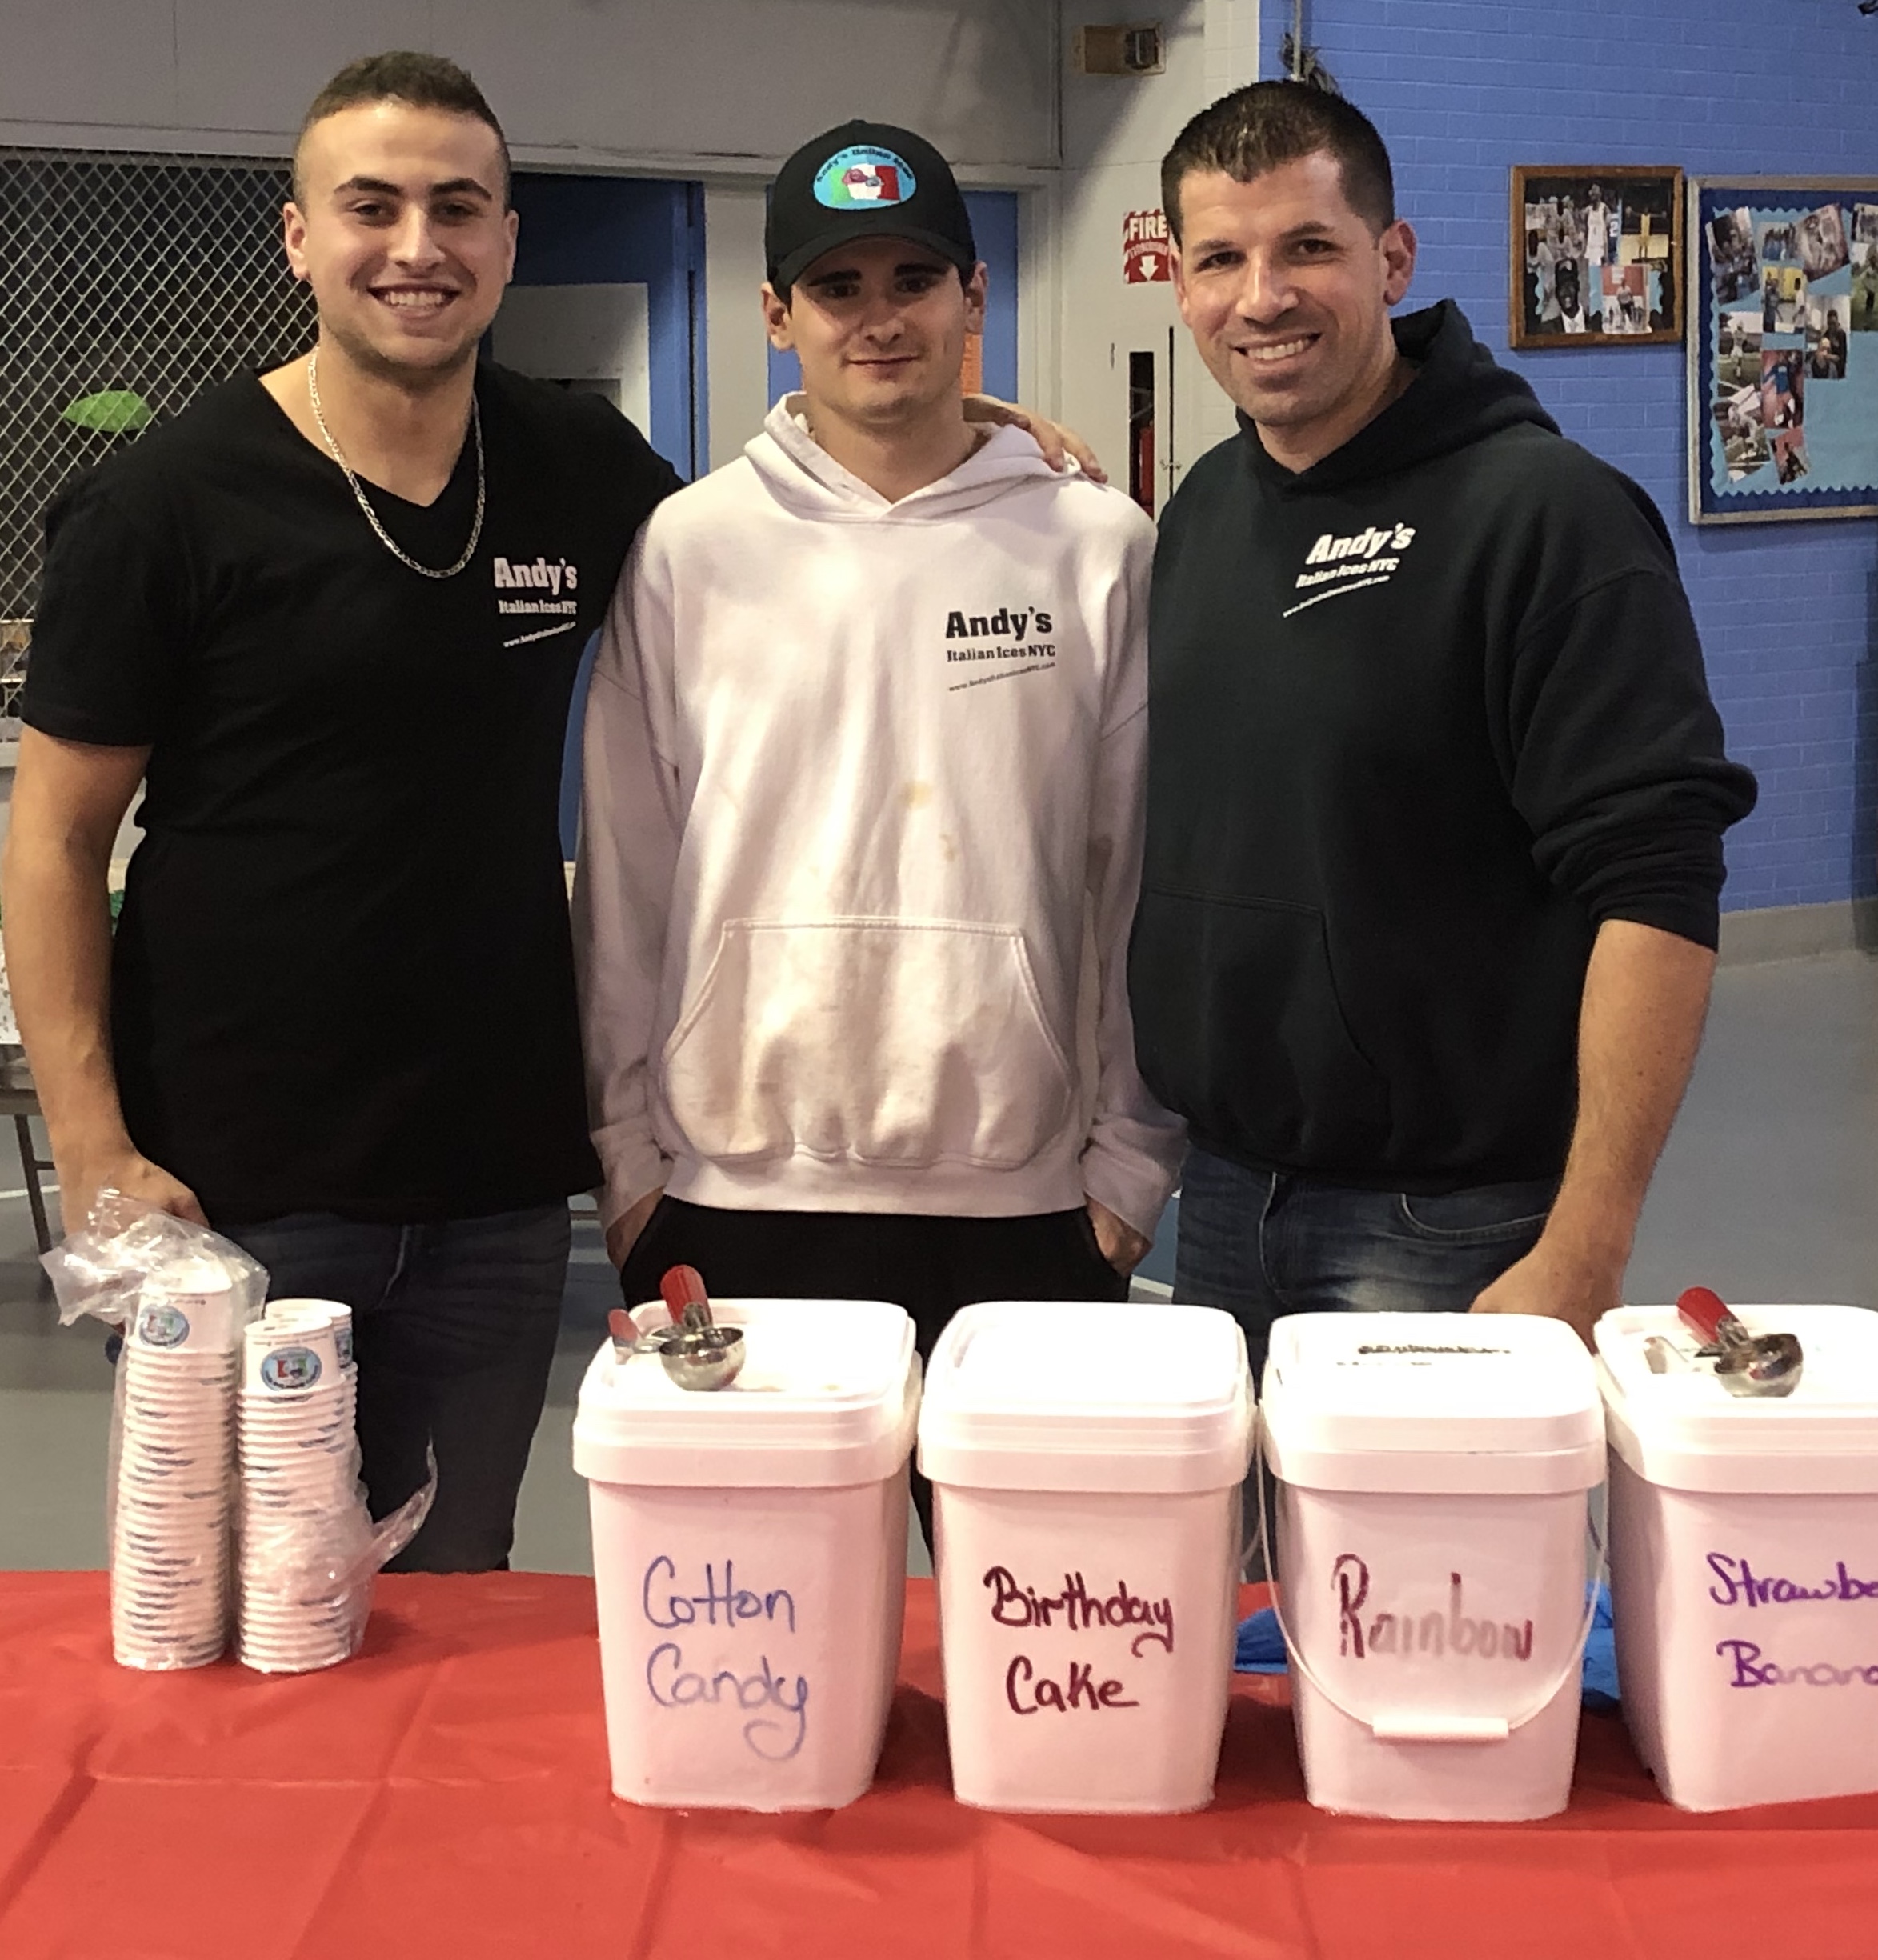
(1436, 790)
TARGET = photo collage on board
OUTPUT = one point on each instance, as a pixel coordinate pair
(1790, 287)
(1597, 255)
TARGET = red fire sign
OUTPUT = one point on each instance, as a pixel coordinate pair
(1144, 249)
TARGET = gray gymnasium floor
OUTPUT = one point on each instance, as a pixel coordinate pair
(1769, 1192)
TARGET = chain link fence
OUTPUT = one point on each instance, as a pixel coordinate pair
(131, 284)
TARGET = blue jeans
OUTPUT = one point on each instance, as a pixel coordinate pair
(454, 1327)
(1262, 1245)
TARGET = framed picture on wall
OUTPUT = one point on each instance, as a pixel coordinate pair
(1596, 255)
(1783, 357)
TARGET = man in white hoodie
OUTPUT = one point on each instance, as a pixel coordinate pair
(862, 831)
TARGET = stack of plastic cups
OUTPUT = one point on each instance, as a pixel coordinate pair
(170, 1557)
(303, 1522)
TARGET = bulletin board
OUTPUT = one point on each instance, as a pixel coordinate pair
(1782, 348)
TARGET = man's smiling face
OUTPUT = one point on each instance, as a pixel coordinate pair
(880, 327)
(400, 226)
(1287, 291)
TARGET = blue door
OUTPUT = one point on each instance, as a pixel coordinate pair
(625, 231)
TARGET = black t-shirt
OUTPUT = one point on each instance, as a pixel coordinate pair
(343, 980)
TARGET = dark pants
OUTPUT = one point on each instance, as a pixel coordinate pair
(454, 1325)
(929, 1267)
(1262, 1246)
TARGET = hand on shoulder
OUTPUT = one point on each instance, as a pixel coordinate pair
(1061, 446)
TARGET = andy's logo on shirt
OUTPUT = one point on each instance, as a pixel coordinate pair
(544, 575)
(1365, 545)
(1370, 557)
(1006, 622)
(1012, 637)
(549, 584)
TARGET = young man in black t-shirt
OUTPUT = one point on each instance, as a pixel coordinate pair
(331, 615)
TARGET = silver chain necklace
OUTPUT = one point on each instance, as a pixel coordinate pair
(371, 516)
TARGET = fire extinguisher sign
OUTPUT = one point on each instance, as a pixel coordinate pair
(1144, 249)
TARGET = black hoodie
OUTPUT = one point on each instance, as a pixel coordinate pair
(1421, 717)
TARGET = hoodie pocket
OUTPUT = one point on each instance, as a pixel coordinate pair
(895, 1043)
(1239, 1029)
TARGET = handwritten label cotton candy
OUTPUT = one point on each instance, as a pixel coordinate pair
(775, 1702)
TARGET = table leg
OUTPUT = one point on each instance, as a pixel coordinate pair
(28, 1164)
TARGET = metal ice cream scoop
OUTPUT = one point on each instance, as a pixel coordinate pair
(703, 1355)
(698, 1353)
(1747, 1364)
(704, 1358)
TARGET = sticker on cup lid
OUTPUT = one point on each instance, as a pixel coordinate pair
(291, 1368)
(162, 1326)
(864, 175)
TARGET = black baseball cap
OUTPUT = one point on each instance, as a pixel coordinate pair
(864, 180)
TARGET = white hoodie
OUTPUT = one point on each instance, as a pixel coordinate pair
(863, 792)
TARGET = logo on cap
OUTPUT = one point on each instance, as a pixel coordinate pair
(852, 178)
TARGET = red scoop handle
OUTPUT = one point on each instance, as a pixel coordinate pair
(681, 1287)
(1703, 1312)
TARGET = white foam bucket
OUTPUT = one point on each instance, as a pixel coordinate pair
(749, 1556)
(1431, 1539)
(1086, 1461)
(1744, 1560)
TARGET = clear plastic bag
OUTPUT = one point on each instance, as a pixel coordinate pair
(182, 1296)
(203, 1537)
(309, 1551)
(127, 1249)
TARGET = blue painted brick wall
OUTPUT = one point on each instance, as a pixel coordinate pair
(1462, 89)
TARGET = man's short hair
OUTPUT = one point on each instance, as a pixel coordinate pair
(1255, 128)
(420, 80)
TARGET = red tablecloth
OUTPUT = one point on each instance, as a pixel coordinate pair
(446, 1794)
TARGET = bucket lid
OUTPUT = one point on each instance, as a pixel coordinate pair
(1094, 1395)
(827, 1396)
(1684, 1429)
(1454, 1402)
